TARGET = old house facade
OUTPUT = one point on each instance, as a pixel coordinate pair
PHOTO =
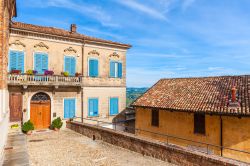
(206, 114)
(75, 75)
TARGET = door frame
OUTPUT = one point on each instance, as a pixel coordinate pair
(51, 104)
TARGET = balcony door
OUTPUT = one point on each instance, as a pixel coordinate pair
(40, 112)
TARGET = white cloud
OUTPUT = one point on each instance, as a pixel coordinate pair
(187, 3)
(91, 11)
(142, 8)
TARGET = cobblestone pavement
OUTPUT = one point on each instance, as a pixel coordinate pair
(67, 147)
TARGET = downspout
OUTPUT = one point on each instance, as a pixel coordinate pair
(82, 105)
(221, 136)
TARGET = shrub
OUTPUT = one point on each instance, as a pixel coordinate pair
(57, 123)
(78, 74)
(66, 74)
(27, 126)
(48, 72)
(13, 71)
(31, 72)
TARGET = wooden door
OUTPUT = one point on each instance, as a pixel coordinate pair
(40, 114)
(15, 104)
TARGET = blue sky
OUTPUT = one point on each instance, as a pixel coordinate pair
(170, 38)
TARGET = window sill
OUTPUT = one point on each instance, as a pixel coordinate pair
(94, 116)
(200, 134)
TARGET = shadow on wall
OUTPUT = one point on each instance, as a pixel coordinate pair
(126, 119)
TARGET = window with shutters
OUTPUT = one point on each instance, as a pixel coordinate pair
(70, 65)
(40, 62)
(69, 108)
(113, 105)
(93, 67)
(199, 123)
(16, 60)
(93, 107)
(115, 69)
(155, 118)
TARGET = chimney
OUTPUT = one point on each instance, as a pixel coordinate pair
(234, 94)
(73, 28)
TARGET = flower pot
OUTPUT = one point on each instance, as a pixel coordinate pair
(29, 132)
(56, 129)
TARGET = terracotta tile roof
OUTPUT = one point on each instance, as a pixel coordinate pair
(63, 33)
(209, 94)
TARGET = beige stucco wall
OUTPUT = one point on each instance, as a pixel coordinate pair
(102, 87)
(55, 52)
(103, 94)
(104, 55)
(235, 133)
(57, 103)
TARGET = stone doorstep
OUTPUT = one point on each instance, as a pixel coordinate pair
(16, 155)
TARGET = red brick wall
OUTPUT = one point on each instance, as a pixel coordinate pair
(4, 40)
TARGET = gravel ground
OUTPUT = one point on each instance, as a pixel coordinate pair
(67, 147)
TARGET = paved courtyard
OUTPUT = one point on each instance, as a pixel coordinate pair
(70, 148)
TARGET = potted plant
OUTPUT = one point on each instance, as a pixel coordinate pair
(57, 124)
(28, 127)
(14, 71)
(48, 72)
(78, 74)
(65, 74)
(31, 72)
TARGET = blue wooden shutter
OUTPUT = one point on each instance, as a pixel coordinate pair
(12, 60)
(114, 106)
(41, 62)
(90, 107)
(67, 64)
(93, 68)
(72, 66)
(72, 107)
(93, 107)
(38, 63)
(20, 61)
(120, 70)
(44, 62)
(112, 69)
(66, 108)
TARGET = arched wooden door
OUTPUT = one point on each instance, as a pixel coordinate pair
(40, 110)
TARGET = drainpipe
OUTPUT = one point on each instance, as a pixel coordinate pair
(221, 136)
(82, 81)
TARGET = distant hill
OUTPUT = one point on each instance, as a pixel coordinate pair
(134, 93)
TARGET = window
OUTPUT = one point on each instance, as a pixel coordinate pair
(199, 123)
(70, 65)
(115, 69)
(16, 60)
(69, 108)
(93, 106)
(41, 62)
(113, 106)
(155, 118)
(93, 68)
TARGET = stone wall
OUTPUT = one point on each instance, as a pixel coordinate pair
(149, 147)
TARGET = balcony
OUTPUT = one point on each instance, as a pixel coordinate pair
(43, 80)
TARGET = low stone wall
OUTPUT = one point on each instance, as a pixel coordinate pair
(150, 147)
